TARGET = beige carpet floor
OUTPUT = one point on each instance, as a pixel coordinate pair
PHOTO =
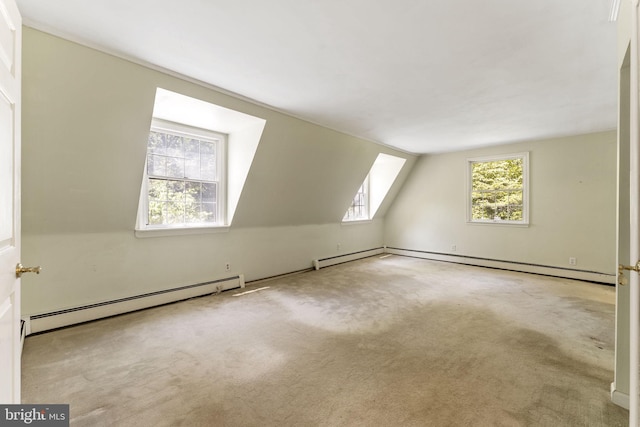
(390, 341)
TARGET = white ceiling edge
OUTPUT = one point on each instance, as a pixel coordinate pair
(519, 141)
(120, 55)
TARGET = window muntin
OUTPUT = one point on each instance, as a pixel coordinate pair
(359, 209)
(498, 189)
(184, 176)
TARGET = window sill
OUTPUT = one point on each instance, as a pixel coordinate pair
(357, 221)
(179, 231)
(500, 223)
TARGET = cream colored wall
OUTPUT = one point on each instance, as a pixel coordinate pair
(572, 206)
(86, 116)
(84, 268)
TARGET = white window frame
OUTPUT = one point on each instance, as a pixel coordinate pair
(525, 189)
(165, 126)
(366, 190)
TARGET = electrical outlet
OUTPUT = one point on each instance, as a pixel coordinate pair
(453, 248)
(573, 261)
(227, 266)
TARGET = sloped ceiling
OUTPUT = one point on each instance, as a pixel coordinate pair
(422, 76)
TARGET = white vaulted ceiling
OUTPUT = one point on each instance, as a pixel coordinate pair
(423, 76)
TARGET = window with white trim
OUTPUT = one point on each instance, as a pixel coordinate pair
(187, 186)
(374, 189)
(184, 183)
(498, 189)
(359, 209)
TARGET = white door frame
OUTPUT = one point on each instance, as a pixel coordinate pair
(634, 218)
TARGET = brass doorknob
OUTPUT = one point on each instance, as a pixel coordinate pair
(21, 269)
(623, 280)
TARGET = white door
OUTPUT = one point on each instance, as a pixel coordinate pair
(10, 80)
(634, 218)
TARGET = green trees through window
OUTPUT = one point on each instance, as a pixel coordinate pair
(497, 190)
(183, 180)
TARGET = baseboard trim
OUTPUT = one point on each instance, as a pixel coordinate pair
(591, 276)
(74, 315)
(340, 259)
(619, 398)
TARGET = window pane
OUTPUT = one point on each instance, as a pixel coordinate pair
(483, 175)
(192, 158)
(477, 198)
(209, 212)
(208, 160)
(501, 198)
(192, 213)
(175, 146)
(157, 165)
(175, 167)
(192, 168)
(209, 192)
(193, 192)
(513, 171)
(174, 212)
(476, 212)
(502, 213)
(156, 143)
(515, 197)
(157, 189)
(155, 213)
(208, 169)
(483, 206)
(175, 191)
(208, 148)
(487, 212)
(515, 212)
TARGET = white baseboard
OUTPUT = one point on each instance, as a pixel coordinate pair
(568, 273)
(619, 398)
(339, 259)
(71, 316)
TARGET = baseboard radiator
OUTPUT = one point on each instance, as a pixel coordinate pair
(339, 259)
(569, 273)
(71, 316)
(618, 397)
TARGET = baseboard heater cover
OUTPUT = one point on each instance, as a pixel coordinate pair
(339, 259)
(57, 319)
(619, 398)
(568, 273)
